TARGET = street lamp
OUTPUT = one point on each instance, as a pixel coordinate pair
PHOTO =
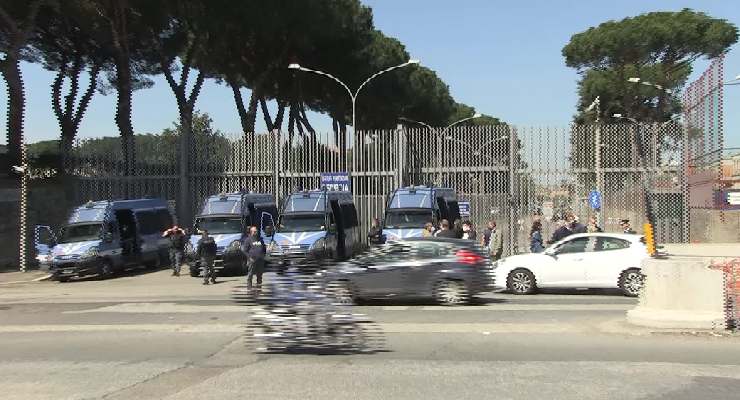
(352, 95)
(439, 134)
(620, 116)
(732, 82)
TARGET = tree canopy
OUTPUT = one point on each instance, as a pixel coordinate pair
(658, 47)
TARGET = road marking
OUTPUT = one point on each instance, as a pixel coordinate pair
(175, 308)
(481, 328)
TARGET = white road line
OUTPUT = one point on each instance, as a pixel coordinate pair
(483, 328)
(174, 308)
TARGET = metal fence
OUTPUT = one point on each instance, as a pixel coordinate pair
(507, 173)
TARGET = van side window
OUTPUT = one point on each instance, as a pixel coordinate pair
(148, 222)
(164, 219)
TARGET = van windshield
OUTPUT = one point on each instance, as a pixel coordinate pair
(80, 233)
(301, 223)
(397, 219)
(220, 225)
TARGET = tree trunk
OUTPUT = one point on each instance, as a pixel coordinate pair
(123, 113)
(16, 108)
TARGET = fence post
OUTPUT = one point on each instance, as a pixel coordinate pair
(512, 182)
(685, 190)
(400, 155)
(275, 137)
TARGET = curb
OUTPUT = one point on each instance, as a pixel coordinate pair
(39, 279)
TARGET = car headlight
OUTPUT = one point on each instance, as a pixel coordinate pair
(92, 252)
(319, 244)
(235, 245)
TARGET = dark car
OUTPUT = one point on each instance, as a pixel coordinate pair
(450, 271)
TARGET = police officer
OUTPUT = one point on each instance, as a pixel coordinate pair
(254, 251)
(177, 247)
(626, 227)
(207, 252)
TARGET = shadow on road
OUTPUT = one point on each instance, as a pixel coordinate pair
(574, 292)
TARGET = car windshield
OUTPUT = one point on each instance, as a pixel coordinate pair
(220, 225)
(396, 219)
(80, 233)
(301, 223)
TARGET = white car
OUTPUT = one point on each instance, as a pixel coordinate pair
(584, 260)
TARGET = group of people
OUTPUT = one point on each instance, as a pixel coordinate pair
(253, 248)
(569, 226)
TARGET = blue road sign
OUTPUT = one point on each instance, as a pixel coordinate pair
(335, 180)
(464, 207)
(594, 200)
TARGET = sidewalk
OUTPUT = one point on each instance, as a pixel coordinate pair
(12, 277)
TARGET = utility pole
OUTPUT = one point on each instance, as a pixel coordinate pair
(597, 155)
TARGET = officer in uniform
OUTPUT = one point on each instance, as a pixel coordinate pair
(207, 250)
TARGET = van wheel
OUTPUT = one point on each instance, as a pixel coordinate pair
(521, 281)
(194, 270)
(105, 269)
(63, 279)
(155, 264)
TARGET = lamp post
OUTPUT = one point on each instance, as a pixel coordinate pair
(732, 82)
(352, 95)
(439, 134)
(23, 171)
(596, 105)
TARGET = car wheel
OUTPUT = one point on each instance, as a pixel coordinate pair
(63, 279)
(521, 281)
(194, 270)
(631, 282)
(341, 292)
(451, 293)
(105, 269)
(155, 264)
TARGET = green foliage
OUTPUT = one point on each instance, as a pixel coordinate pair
(657, 47)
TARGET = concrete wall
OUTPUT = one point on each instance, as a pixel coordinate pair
(714, 226)
(680, 293)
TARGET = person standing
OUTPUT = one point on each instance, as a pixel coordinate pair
(593, 226)
(565, 230)
(496, 245)
(375, 235)
(468, 231)
(445, 231)
(486, 237)
(626, 227)
(428, 230)
(177, 247)
(254, 250)
(457, 228)
(535, 238)
(207, 251)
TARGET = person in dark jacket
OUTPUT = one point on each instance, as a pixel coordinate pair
(486, 237)
(445, 231)
(207, 251)
(565, 230)
(535, 238)
(468, 231)
(457, 227)
(626, 227)
(254, 251)
(375, 235)
(178, 240)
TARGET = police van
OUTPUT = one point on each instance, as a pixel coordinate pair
(227, 218)
(105, 237)
(316, 224)
(410, 208)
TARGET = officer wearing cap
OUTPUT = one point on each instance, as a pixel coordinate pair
(626, 228)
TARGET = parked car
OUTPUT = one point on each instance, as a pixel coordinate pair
(451, 271)
(586, 260)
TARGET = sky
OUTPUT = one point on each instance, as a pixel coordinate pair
(501, 57)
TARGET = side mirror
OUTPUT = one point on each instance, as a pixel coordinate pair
(107, 237)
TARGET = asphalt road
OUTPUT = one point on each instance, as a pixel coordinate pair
(149, 335)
